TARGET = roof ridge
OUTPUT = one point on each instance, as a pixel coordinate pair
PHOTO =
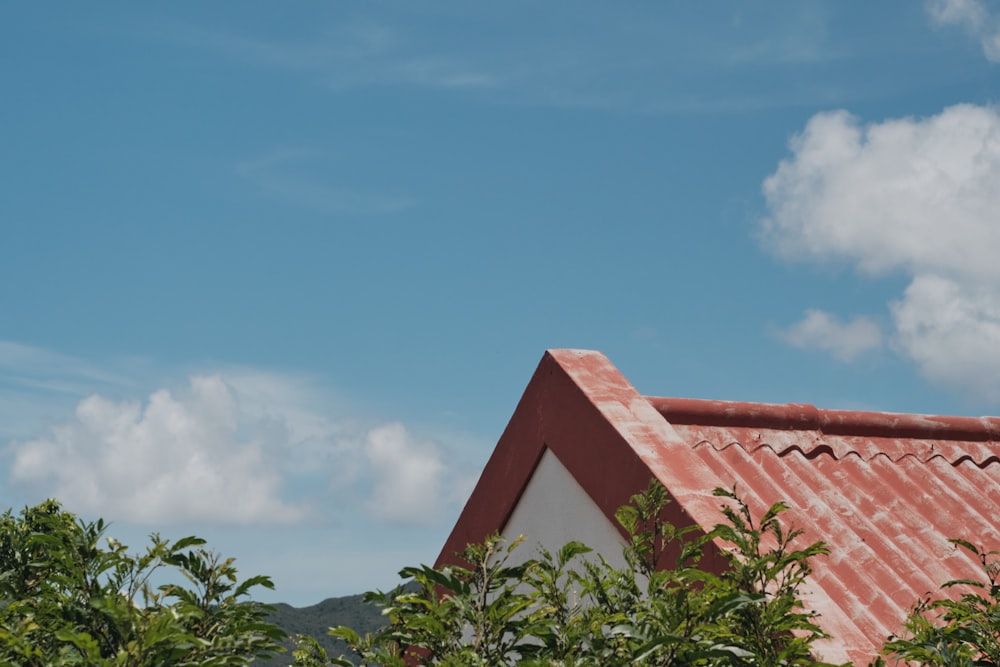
(825, 449)
(805, 417)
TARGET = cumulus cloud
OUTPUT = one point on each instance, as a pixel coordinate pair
(913, 194)
(952, 331)
(408, 476)
(916, 196)
(191, 456)
(845, 341)
(975, 17)
(231, 448)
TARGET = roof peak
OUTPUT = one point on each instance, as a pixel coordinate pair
(805, 417)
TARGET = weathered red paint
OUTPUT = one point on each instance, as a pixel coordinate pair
(885, 491)
(578, 406)
(799, 416)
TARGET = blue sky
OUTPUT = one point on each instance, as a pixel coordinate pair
(277, 275)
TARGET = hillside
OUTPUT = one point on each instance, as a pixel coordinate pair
(350, 610)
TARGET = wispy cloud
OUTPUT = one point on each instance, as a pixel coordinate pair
(656, 61)
(354, 53)
(845, 341)
(274, 175)
(36, 367)
(915, 196)
(976, 17)
(352, 41)
(37, 383)
(438, 72)
(803, 38)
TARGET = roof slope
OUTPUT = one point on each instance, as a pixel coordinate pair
(885, 491)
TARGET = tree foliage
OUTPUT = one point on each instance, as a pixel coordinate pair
(573, 608)
(961, 632)
(71, 596)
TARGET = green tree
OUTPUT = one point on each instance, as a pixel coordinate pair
(959, 632)
(572, 608)
(71, 596)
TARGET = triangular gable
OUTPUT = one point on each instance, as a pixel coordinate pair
(602, 430)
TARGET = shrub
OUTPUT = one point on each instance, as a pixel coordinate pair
(71, 596)
(956, 633)
(573, 608)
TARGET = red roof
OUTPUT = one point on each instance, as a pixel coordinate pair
(884, 491)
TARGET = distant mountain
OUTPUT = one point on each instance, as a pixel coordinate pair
(350, 610)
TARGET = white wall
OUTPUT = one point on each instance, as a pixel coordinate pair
(555, 509)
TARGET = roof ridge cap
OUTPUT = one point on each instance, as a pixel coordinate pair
(805, 417)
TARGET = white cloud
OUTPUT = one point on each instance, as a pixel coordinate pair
(408, 476)
(845, 341)
(913, 194)
(973, 15)
(235, 447)
(916, 196)
(187, 457)
(950, 12)
(952, 331)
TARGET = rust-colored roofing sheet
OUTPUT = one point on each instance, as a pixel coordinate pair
(884, 491)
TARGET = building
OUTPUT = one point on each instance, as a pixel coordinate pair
(884, 491)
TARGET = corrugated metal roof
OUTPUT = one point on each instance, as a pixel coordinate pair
(884, 491)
